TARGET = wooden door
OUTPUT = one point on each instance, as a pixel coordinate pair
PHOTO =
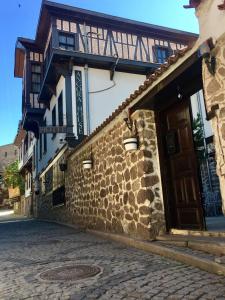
(184, 200)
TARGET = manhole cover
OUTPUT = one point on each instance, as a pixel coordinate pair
(75, 272)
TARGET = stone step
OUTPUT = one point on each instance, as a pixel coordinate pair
(185, 255)
(201, 255)
(212, 245)
(197, 233)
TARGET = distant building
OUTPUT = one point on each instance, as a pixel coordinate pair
(8, 154)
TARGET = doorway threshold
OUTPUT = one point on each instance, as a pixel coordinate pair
(215, 223)
(197, 233)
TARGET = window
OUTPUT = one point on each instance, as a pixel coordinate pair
(45, 139)
(79, 103)
(34, 156)
(35, 78)
(60, 110)
(15, 152)
(54, 120)
(66, 41)
(161, 54)
(40, 146)
(49, 180)
(6, 154)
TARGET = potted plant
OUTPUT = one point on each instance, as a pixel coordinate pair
(63, 165)
(87, 164)
(130, 141)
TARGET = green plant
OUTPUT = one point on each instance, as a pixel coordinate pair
(198, 133)
(12, 177)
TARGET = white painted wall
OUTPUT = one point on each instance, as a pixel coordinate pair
(211, 20)
(196, 109)
(102, 104)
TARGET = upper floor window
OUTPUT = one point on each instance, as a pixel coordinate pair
(45, 139)
(54, 120)
(161, 54)
(66, 41)
(40, 146)
(5, 154)
(35, 78)
(60, 110)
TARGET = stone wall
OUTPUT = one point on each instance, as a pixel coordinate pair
(26, 206)
(8, 154)
(214, 87)
(122, 192)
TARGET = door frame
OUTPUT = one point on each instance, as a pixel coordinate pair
(162, 160)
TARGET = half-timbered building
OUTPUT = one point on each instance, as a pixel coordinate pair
(76, 71)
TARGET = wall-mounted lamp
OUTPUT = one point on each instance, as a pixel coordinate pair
(205, 50)
(127, 119)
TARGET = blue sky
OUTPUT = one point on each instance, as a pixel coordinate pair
(19, 18)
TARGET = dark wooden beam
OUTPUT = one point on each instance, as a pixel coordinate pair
(149, 99)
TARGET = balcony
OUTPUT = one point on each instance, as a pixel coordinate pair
(100, 48)
(32, 119)
(26, 157)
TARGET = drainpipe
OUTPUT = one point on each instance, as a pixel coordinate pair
(205, 146)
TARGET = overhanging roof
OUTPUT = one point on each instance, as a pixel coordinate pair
(21, 45)
(49, 8)
(193, 4)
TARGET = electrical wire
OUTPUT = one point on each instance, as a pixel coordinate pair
(103, 90)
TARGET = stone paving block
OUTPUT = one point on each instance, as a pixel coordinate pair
(32, 247)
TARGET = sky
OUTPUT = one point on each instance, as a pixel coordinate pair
(20, 17)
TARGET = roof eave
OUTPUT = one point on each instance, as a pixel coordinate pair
(48, 8)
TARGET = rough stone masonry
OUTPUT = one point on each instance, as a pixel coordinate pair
(122, 192)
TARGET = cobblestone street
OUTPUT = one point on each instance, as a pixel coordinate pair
(29, 248)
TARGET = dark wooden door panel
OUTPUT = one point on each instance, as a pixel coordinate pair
(185, 201)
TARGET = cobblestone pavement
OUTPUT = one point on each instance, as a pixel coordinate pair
(29, 248)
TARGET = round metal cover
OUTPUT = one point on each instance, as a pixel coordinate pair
(68, 273)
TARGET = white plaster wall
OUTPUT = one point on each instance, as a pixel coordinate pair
(102, 104)
(211, 20)
(196, 110)
(53, 144)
